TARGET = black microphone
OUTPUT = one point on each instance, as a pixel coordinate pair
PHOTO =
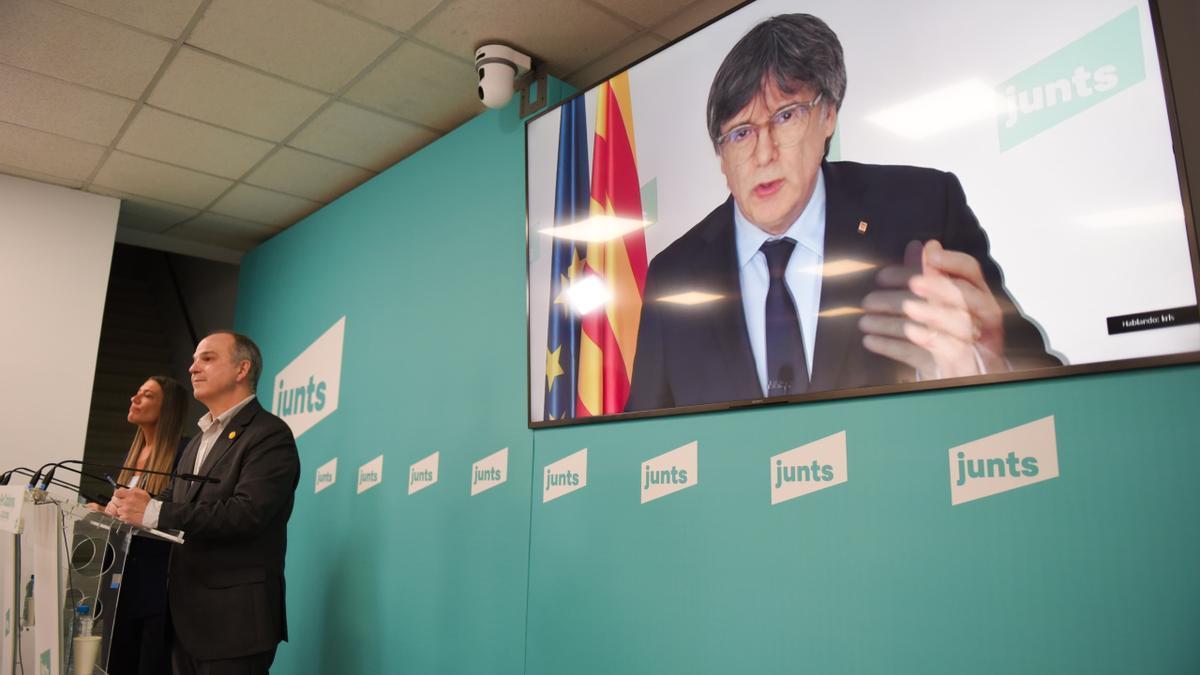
(6, 477)
(60, 483)
(37, 476)
(48, 477)
(50, 474)
(185, 476)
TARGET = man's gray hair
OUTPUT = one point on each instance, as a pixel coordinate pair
(244, 349)
(793, 50)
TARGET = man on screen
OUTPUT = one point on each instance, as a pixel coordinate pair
(817, 275)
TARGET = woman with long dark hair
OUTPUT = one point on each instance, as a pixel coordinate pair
(139, 640)
(157, 409)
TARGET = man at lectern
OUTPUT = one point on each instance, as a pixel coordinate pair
(822, 275)
(226, 588)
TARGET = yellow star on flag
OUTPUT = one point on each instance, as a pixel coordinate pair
(563, 285)
(553, 367)
(576, 265)
(564, 280)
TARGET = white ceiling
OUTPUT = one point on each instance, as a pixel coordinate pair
(221, 122)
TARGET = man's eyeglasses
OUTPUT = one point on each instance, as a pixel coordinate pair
(788, 125)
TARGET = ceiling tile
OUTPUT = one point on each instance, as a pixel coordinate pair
(150, 215)
(361, 137)
(217, 230)
(156, 180)
(646, 13)
(205, 87)
(307, 175)
(620, 59)
(62, 42)
(398, 15)
(578, 34)
(423, 85)
(47, 104)
(296, 39)
(165, 17)
(693, 16)
(74, 183)
(39, 151)
(195, 145)
(264, 206)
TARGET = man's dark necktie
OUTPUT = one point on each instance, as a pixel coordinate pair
(787, 367)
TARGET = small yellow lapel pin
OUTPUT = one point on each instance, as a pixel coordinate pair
(862, 227)
(232, 435)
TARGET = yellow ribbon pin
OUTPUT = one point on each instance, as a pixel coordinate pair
(232, 435)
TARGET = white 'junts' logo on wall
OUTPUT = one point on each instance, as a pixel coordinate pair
(670, 472)
(566, 475)
(370, 474)
(423, 473)
(809, 468)
(489, 472)
(306, 391)
(326, 475)
(1011, 459)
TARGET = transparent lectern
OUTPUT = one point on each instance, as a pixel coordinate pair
(56, 557)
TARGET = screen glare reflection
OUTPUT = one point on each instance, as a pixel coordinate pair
(690, 298)
(588, 294)
(840, 311)
(837, 268)
(947, 108)
(597, 229)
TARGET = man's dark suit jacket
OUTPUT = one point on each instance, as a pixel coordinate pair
(696, 354)
(226, 589)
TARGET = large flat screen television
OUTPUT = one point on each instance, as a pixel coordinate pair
(804, 201)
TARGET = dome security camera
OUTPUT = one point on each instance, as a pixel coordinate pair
(498, 67)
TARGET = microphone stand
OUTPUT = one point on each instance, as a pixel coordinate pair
(185, 476)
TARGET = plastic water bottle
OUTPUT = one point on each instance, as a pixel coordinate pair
(85, 620)
(85, 647)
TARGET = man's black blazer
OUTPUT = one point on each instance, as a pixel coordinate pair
(696, 354)
(226, 588)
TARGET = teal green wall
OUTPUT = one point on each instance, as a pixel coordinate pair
(1094, 571)
(426, 262)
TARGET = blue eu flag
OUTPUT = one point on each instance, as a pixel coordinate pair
(571, 204)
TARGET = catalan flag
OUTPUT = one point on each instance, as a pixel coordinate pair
(610, 333)
(571, 205)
